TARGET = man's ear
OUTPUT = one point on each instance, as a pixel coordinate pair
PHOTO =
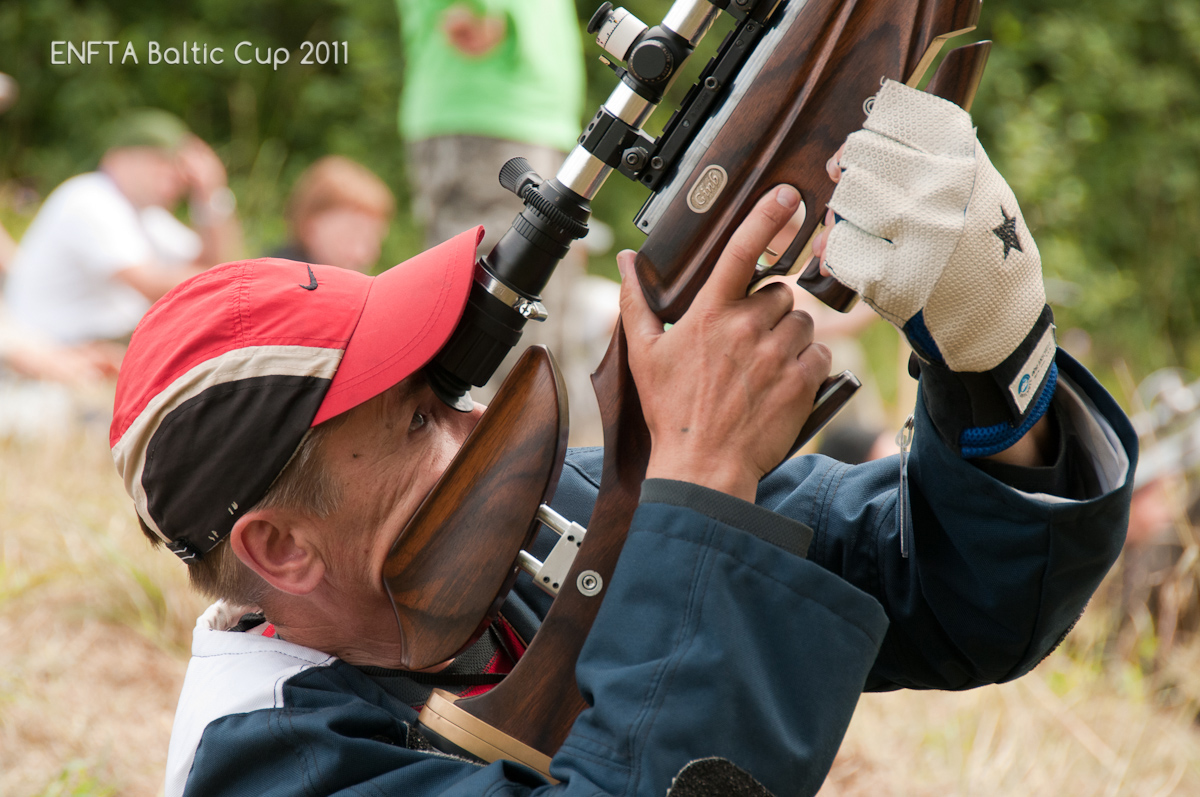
(280, 549)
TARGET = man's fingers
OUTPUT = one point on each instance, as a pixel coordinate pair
(639, 320)
(833, 166)
(792, 334)
(796, 329)
(735, 267)
(816, 361)
(771, 303)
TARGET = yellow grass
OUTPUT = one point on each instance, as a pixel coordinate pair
(1065, 729)
(95, 626)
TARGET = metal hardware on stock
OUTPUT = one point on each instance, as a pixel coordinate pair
(550, 575)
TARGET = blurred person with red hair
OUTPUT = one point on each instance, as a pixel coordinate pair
(338, 215)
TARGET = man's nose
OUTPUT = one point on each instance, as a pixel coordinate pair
(469, 419)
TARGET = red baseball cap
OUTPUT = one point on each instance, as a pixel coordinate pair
(227, 373)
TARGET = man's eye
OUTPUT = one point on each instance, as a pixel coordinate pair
(418, 420)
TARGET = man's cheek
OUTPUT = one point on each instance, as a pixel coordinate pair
(454, 441)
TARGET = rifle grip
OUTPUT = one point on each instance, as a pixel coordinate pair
(827, 289)
(832, 395)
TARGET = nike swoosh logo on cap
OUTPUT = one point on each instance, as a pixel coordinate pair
(312, 281)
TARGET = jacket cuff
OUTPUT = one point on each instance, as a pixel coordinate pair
(782, 532)
(985, 412)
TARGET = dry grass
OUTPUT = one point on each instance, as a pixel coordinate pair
(95, 626)
(1066, 729)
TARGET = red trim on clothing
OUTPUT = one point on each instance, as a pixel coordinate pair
(501, 661)
(511, 637)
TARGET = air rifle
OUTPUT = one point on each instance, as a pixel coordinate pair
(785, 88)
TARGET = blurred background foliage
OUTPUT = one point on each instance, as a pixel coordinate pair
(267, 125)
(1091, 110)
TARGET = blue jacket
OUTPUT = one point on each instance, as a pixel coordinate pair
(728, 630)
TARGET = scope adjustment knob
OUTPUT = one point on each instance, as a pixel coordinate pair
(598, 18)
(651, 61)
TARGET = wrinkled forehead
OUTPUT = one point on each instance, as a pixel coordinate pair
(384, 408)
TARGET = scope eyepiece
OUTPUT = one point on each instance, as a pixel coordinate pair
(508, 282)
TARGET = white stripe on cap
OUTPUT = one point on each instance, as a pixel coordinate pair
(246, 363)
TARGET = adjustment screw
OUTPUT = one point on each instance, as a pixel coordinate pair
(590, 583)
(711, 83)
(634, 157)
(656, 162)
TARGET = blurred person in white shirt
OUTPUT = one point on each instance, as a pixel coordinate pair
(26, 353)
(105, 245)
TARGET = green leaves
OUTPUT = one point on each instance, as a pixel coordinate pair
(1093, 114)
(1092, 111)
(266, 124)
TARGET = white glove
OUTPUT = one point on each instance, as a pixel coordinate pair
(931, 236)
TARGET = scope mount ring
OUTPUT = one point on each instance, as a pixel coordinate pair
(531, 310)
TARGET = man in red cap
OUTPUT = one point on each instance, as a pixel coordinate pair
(274, 430)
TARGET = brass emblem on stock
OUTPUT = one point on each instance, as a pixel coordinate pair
(707, 188)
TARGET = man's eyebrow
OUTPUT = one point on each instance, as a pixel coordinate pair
(408, 388)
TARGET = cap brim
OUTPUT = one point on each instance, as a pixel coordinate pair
(409, 314)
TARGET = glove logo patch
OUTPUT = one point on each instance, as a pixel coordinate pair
(1007, 233)
(1023, 388)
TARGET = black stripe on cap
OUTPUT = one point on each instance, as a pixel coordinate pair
(214, 456)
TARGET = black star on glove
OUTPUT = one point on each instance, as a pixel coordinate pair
(1007, 233)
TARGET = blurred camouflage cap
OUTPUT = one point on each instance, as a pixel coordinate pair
(147, 127)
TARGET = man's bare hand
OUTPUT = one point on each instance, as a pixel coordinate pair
(726, 390)
(201, 168)
(472, 35)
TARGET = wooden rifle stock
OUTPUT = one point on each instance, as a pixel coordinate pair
(826, 59)
(450, 568)
(843, 49)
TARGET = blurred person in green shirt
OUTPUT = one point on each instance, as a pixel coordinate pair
(486, 81)
(494, 69)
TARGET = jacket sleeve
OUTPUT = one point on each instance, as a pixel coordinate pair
(713, 640)
(996, 576)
